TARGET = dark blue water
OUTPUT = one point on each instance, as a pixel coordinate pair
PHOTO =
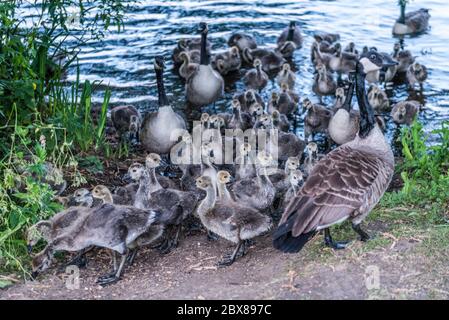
(124, 60)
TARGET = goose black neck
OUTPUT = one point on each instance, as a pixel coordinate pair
(367, 120)
(348, 98)
(204, 58)
(162, 97)
(402, 16)
(291, 32)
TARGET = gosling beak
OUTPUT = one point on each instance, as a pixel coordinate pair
(29, 248)
(127, 178)
(231, 179)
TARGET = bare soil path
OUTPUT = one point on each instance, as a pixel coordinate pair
(388, 268)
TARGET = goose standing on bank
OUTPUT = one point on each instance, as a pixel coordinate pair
(347, 183)
(411, 22)
(205, 85)
(158, 128)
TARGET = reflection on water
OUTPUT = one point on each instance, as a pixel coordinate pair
(124, 60)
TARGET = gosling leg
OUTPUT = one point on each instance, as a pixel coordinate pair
(328, 241)
(364, 236)
(239, 251)
(131, 257)
(212, 236)
(80, 259)
(113, 278)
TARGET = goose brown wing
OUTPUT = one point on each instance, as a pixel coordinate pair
(338, 185)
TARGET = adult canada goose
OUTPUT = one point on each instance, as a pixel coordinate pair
(248, 98)
(158, 128)
(231, 220)
(286, 75)
(324, 84)
(411, 22)
(403, 57)
(256, 78)
(126, 119)
(344, 123)
(187, 67)
(404, 112)
(108, 226)
(205, 85)
(228, 61)
(416, 73)
(347, 183)
(316, 120)
(289, 40)
(271, 61)
(378, 99)
(242, 41)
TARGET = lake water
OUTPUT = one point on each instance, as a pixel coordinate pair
(124, 60)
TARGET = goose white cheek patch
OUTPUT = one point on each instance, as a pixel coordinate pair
(368, 66)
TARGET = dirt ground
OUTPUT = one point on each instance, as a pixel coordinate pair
(394, 268)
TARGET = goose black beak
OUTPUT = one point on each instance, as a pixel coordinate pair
(29, 248)
(34, 275)
(387, 61)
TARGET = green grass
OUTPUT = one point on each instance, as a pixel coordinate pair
(42, 120)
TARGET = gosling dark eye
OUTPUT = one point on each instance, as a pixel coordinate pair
(373, 57)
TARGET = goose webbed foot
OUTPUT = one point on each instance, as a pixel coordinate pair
(239, 251)
(364, 236)
(212, 236)
(107, 279)
(328, 241)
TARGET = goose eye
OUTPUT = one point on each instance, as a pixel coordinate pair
(373, 57)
